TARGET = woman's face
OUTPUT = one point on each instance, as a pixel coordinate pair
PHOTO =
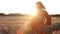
(38, 6)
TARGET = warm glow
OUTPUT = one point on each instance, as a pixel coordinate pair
(29, 9)
(32, 12)
(18, 6)
(28, 6)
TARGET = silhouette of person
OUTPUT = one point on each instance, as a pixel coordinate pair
(42, 18)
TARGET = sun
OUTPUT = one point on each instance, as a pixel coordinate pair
(29, 9)
(32, 13)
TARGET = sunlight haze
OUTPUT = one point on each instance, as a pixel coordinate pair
(28, 6)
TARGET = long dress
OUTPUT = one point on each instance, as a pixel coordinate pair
(38, 23)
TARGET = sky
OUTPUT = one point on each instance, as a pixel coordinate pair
(28, 6)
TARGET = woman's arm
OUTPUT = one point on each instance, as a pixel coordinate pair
(48, 22)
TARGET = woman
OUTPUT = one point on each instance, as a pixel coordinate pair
(41, 19)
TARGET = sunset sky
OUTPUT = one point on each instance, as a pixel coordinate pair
(28, 6)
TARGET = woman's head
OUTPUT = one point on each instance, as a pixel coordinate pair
(39, 5)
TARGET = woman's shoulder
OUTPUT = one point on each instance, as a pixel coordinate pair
(44, 11)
